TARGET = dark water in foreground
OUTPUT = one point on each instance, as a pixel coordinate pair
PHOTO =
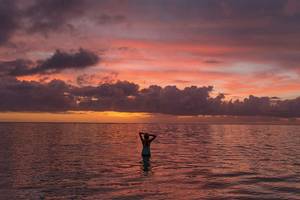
(102, 161)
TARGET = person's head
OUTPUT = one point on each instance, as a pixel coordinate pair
(146, 136)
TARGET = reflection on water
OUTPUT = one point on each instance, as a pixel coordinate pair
(146, 164)
(189, 161)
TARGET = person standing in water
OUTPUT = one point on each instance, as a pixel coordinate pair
(146, 141)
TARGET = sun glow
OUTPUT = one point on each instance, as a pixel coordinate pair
(75, 116)
(135, 117)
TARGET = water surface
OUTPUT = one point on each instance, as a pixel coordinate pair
(189, 161)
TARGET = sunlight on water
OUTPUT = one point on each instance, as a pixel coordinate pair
(189, 161)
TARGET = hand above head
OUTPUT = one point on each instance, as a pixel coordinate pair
(153, 137)
(141, 137)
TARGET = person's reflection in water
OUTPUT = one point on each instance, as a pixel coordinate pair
(146, 153)
(146, 164)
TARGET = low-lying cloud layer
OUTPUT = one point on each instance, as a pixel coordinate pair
(57, 96)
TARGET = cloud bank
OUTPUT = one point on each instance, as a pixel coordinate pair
(57, 96)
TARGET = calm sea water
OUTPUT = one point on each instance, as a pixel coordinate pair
(189, 161)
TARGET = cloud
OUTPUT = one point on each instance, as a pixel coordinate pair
(6, 67)
(8, 20)
(57, 62)
(50, 15)
(112, 90)
(212, 61)
(92, 79)
(110, 19)
(57, 96)
(167, 35)
(33, 96)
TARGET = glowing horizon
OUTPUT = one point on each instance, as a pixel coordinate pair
(135, 117)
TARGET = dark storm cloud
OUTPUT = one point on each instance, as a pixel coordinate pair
(58, 96)
(57, 62)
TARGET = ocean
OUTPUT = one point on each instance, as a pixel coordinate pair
(189, 161)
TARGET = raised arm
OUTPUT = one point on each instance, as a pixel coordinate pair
(153, 137)
(141, 137)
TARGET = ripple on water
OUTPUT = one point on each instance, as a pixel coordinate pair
(189, 161)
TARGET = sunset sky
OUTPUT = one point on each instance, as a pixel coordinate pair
(241, 48)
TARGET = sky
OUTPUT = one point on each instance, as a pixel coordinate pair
(140, 55)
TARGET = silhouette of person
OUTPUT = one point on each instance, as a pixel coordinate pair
(146, 141)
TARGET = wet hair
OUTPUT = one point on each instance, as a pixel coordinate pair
(146, 136)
